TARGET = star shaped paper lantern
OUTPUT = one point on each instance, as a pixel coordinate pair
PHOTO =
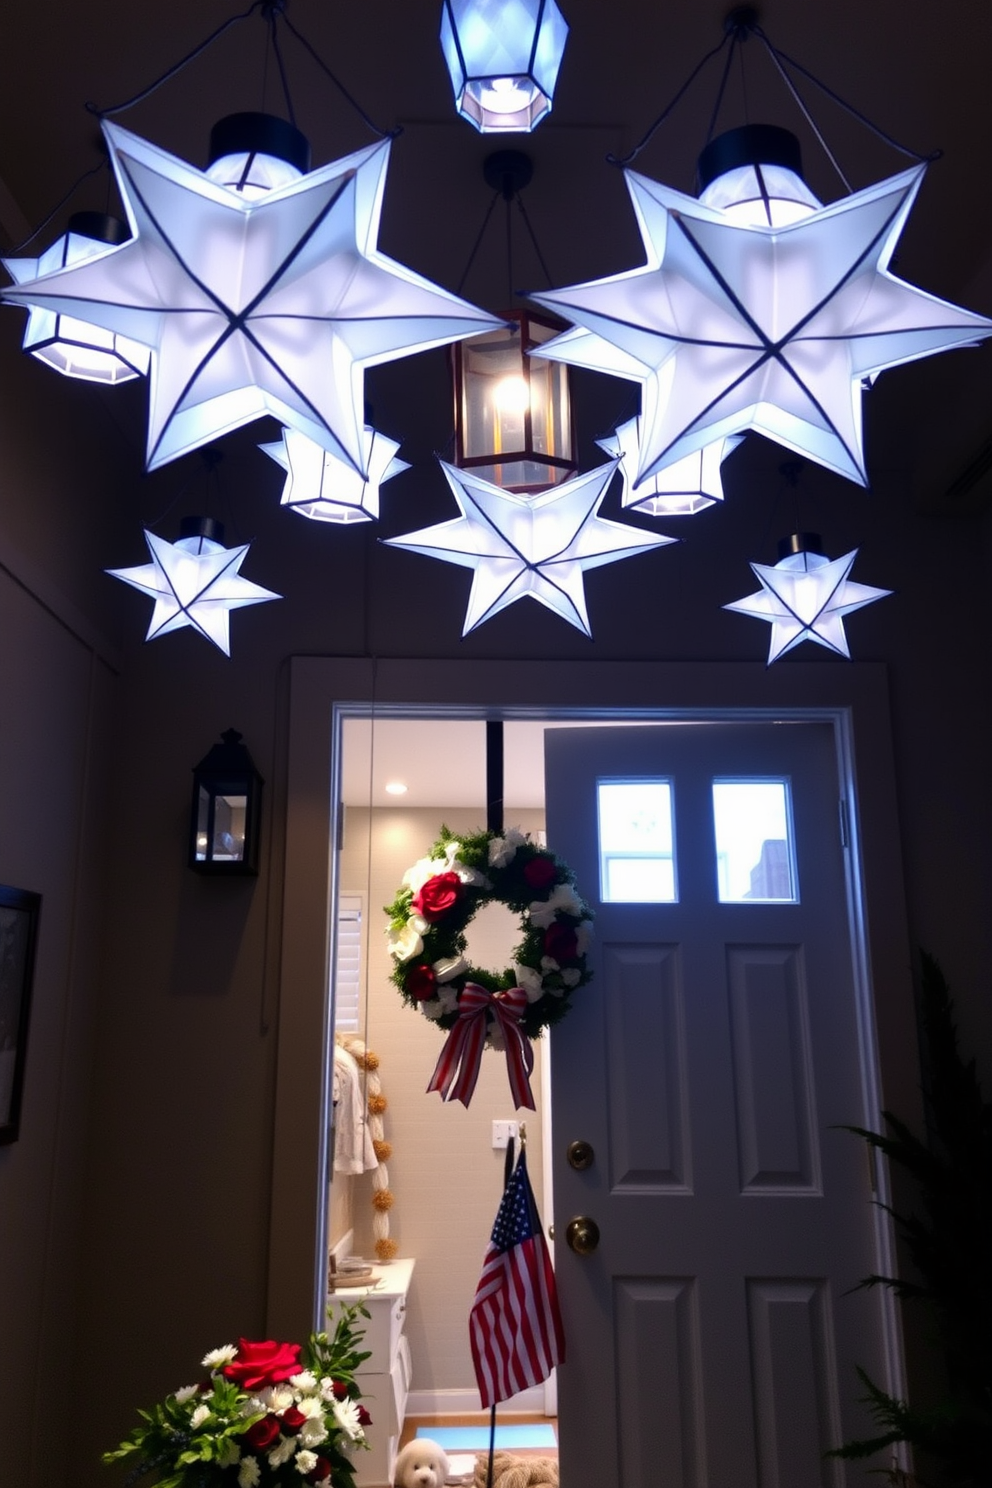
(805, 596)
(195, 581)
(520, 545)
(326, 489)
(688, 486)
(70, 345)
(251, 305)
(731, 326)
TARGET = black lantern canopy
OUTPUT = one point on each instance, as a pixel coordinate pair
(226, 810)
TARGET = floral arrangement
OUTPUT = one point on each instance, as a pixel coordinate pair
(266, 1414)
(440, 897)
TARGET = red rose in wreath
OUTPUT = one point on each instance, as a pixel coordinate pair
(421, 981)
(438, 895)
(540, 873)
(258, 1364)
(560, 942)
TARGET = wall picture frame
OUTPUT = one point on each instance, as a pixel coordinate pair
(19, 913)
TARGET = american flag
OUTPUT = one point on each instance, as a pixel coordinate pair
(515, 1327)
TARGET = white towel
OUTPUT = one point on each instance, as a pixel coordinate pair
(353, 1150)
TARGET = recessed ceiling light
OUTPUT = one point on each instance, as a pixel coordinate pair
(395, 788)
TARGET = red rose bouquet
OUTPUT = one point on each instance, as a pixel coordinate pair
(266, 1414)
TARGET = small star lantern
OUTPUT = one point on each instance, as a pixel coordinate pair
(195, 581)
(805, 596)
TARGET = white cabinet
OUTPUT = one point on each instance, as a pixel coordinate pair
(384, 1378)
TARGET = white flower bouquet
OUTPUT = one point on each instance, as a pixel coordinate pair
(266, 1415)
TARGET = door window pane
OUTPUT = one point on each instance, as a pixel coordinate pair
(755, 853)
(636, 856)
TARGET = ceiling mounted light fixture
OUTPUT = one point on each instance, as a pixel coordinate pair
(195, 581)
(758, 308)
(513, 416)
(503, 57)
(680, 490)
(805, 596)
(73, 346)
(325, 489)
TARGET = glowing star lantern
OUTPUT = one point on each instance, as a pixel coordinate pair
(503, 57)
(195, 581)
(805, 596)
(268, 305)
(765, 312)
(680, 490)
(520, 545)
(326, 489)
(71, 345)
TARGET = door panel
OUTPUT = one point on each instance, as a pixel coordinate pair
(712, 1336)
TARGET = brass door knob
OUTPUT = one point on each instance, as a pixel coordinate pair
(582, 1234)
(580, 1155)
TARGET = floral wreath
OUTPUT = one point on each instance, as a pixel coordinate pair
(440, 896)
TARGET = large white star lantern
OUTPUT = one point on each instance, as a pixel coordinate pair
(688, 486)
(195, 581)
(804, 597)
(326, 489)
(765, 312)
(273, 303)
(519, 545)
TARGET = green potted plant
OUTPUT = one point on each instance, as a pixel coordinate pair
(947, 1237)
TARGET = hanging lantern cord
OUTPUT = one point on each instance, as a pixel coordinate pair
(271, 11)
(104, 165)
(741, 23)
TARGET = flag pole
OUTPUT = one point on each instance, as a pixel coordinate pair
(507, 1171)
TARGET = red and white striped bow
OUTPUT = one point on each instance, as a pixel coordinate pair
(457, 1069)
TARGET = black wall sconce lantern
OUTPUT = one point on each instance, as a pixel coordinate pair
(226, 810)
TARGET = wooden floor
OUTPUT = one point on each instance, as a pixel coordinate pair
(481, 1418)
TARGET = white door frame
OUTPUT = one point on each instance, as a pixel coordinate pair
(325, 689)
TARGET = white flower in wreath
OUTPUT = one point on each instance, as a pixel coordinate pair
(571, 976)
(404, 942)
(530, 980)
(414, 878)
(305, 1381)
(218, 1357)
(502, 849)
(562, 898)
(447, 970)
(280, 1400)
(447, 996)
(432, 1008)
(305, 1461)
(201, 1414)
(186, 1393)
(548, 963)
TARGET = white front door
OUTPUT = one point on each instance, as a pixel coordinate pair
(713, 1334)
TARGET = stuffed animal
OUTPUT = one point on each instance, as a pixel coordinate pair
(421, 1464)
(516, 1472)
